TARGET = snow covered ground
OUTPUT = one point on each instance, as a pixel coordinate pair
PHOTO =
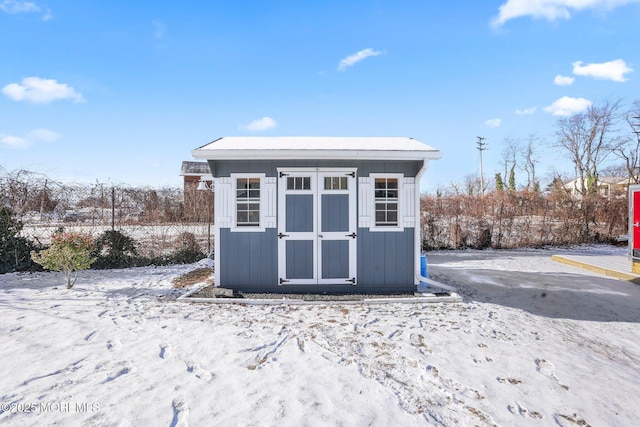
(533, 343)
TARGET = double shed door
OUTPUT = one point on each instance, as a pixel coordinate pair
(317, 226)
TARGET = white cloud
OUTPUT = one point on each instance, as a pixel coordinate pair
(567, 106)
(526, 111)
(43, 135)
(493, 123)
(551, 10)
(612, 70)
(264, 123)
(36, 135)
(357, 57)
(17, 6)
(563, 80)
(40, 91)
(14, 141)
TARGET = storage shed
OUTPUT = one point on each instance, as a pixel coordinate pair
(317, 214)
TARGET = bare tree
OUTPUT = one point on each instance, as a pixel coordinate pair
(509, 161)
(588, 138)
(629, 148)
(529, 155)
(472, 185)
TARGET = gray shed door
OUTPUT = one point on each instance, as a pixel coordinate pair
(317, 226)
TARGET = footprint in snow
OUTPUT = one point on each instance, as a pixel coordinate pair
(124, 369)
(518, 409)
(180, 412)
(91, 336)
(547, 369)
(164, 350)
(114, 345)
(194, 368)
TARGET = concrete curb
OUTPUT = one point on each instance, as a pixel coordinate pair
(629, 277)
(424, 298)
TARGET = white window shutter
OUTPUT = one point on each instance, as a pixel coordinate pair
(408, 202)
(224, 202)
(365, 202)
(270, 202)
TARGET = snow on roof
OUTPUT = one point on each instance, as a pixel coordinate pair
(288, 147)
(194, 168)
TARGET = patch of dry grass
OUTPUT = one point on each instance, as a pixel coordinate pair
(198, 275)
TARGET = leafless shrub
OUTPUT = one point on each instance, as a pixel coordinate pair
(520, 219)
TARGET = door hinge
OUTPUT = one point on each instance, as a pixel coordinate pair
(352, 235)
(283, 281)
(283, 174)
(280, 235)
(351, 174)
(352, 280)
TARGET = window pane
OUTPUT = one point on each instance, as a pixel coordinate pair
(386, 196)
(343, 183)
(248, 190)
(306, 183)
(290, 183)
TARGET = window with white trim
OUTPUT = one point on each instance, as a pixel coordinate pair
(386, 194)
(248, 202)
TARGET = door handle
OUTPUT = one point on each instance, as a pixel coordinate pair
(636, 224)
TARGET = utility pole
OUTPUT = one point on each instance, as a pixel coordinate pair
(481, 146)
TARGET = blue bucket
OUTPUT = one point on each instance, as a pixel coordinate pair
(423, 269)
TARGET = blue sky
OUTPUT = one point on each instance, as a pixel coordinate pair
(123, 91)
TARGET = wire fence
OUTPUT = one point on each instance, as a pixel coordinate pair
(156, 218)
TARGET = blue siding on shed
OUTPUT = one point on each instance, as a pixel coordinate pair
(249, 261)
(248, 258)
(220, 168)
(385, 258)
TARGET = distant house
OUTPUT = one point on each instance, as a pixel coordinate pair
(317, 214)
(198, 205)
(608, 186)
